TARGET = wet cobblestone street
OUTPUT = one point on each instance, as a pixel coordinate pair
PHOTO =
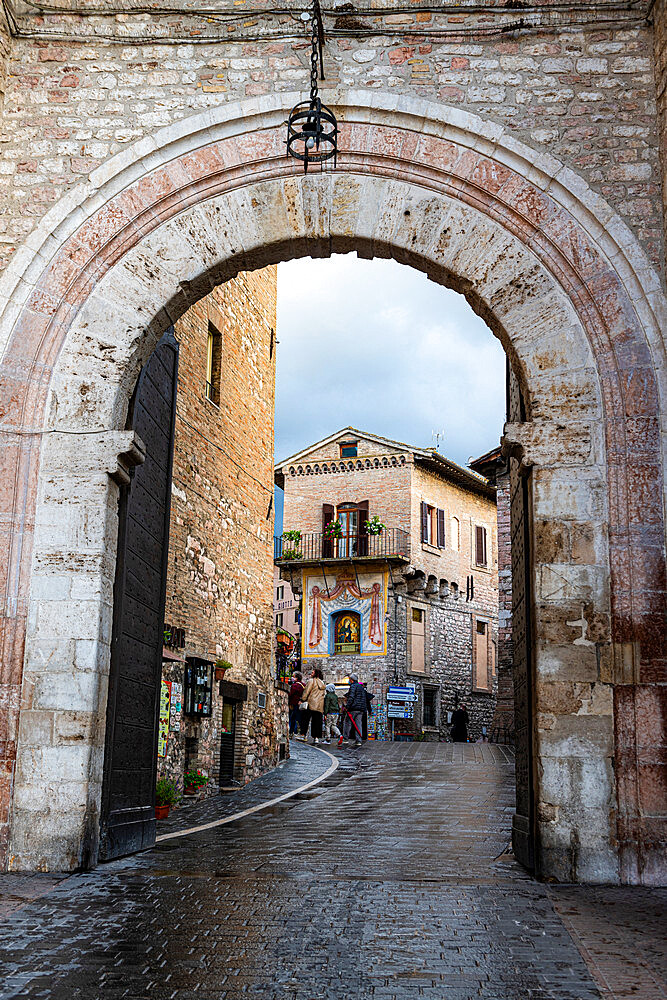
(390, 880)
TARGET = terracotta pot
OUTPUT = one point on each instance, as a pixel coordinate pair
(220, 673)
(190, 790)
(161, 812)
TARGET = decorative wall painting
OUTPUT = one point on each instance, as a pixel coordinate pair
(364, 595)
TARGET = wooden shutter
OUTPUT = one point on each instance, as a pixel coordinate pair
(424, 516)
(417, 630)
(327, 518)
(481, 646)
(362, 540)
(480, 545)
(441, 529)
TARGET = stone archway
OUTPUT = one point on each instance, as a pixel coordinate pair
(557, 277)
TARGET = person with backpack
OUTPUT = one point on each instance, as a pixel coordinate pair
(355, 706)
(331, 713)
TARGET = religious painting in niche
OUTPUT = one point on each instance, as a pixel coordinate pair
(328, 600)
(346, 632)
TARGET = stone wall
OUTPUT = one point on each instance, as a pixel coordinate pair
(562, 282)
(219, 577)
(584, 93)
(503, 719)
(660, 72)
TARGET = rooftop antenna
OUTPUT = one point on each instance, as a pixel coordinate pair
(436, 438)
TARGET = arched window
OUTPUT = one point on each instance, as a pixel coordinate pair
(455, 534)
(347, 632)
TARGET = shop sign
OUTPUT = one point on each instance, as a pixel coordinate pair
(163, 723)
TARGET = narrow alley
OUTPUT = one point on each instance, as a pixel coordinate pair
(390, 879)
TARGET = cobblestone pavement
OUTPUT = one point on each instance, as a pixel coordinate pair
(392, 881)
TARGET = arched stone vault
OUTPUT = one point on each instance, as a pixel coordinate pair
(558, 278)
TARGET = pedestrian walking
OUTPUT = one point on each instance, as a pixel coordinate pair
(294, 697)
(313, 695)
(355, 706)
(331, 713)
(460, 724)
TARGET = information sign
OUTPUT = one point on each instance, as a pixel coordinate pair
(400, 712)
(401, 693)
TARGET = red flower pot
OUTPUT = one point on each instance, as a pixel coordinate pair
(161, 812)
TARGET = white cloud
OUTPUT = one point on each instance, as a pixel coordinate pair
(377, 345)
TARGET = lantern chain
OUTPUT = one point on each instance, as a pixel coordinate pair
(313, 55)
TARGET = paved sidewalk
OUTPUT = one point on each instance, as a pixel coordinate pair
(305, 764)
(392, 883)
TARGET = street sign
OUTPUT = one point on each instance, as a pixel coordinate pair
(401, 697)
(400, 712)
(401, 694)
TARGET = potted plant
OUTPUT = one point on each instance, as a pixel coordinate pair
(292, 552)
(220, 667)
(193, 781)
(334, 529)
(374, 526)
(166, 796)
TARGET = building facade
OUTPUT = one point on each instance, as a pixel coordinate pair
(394, 551)
(495, 468)
(222, 710)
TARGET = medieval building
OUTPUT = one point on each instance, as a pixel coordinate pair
(222, 710)
(394, 550)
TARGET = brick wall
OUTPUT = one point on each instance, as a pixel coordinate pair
(585, 94)
(219, 584)
(386, 488)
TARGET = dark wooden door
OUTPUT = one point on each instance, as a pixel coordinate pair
(523, 822)
(128, 792)
(227, 742)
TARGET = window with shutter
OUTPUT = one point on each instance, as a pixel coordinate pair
(425, 521)
(480, 545)
(327, 518)
(441, 529)
(481, 678)
(417, 641)
(363, 539)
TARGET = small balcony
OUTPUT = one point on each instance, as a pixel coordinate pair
(316, 547)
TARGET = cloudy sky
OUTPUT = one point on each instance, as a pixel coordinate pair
(376, 345)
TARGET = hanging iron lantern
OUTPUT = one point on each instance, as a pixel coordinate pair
(312, 129)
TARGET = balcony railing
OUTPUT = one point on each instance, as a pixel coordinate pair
(315, 546)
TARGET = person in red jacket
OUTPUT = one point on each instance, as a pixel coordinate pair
(295, 693)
